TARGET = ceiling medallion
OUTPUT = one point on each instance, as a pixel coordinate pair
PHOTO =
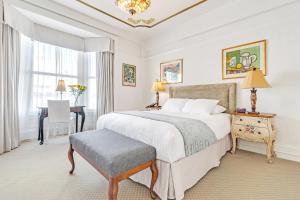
(133, 6)
(139, 21)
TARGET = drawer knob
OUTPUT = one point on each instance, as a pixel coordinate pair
(241, 120)
(259, 121)
(259, 132)
(240, 129)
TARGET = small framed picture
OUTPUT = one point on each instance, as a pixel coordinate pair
(128, 75)
(171, 71)
(238, 60)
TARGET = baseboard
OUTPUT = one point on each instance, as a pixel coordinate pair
(282, 151)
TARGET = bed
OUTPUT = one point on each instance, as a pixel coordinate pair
(178, 172)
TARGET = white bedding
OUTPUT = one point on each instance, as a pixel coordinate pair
(164, 137)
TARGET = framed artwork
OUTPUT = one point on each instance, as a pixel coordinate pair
(171, 71)
(238, 60)
(128, 75)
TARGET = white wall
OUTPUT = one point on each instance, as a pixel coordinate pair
(129, 98)
(202, 64)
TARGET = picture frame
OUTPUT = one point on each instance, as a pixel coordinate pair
(128, 75)
(238, 60)
(171, 71)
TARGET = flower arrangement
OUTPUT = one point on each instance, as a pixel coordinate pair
(77, 90)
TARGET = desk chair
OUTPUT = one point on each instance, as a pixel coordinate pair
(59, 114)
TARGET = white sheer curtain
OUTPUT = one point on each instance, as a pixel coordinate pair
(51, 63)
(42, 65)
(90, 98)
(28, 119)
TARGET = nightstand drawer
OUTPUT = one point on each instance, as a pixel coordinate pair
(250, 131)
(252, 121)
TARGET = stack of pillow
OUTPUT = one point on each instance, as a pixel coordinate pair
(201, 106)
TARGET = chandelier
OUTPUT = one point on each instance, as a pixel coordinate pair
(133, 6)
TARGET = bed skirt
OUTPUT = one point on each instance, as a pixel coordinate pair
(175, 178)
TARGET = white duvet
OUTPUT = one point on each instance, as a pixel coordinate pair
(164, 137)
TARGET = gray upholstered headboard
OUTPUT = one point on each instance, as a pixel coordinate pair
(226, 93)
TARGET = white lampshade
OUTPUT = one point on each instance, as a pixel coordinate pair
(61, 87)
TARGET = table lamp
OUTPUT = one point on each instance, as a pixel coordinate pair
(254, 79)
(61, 87)
(157, 87)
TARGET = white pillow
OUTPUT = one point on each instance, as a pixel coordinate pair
(174, 105)
(203, 106)
(219, 109)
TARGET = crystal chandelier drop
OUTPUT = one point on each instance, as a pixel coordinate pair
(133, 6)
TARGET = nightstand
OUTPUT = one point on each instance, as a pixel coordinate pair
(254, 128)
(151, 108)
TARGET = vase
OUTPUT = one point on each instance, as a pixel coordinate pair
(76, 101)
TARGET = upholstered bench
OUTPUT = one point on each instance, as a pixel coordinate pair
(115, 156)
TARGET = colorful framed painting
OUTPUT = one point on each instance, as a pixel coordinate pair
(171, 71)
(128, 75)
(238, 60)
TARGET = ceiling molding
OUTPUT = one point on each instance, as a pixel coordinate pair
(141, 26)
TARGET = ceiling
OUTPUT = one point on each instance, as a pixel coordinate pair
(157, 13)
(96, 18)
(166, 13)
(106, 16)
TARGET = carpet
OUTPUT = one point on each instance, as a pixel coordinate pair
(34, 172)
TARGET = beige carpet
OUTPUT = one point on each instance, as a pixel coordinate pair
(34, 172)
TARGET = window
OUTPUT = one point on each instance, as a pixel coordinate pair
(41, 66)
(51, 63)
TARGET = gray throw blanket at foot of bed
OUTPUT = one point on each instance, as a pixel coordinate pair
(196, 134)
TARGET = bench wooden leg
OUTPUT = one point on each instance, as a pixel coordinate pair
(154, 171)
(113, 189)
(71, 159)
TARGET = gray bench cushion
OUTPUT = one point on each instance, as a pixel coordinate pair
(112, 152)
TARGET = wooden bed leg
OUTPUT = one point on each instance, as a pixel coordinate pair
(154, 171)
(113, 189)
(71, 159)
